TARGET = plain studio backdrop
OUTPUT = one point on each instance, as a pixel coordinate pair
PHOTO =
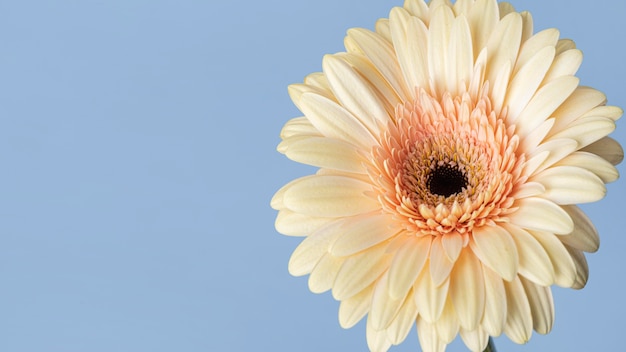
(137, 155)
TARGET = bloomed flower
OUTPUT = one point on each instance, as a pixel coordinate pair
(453, 145)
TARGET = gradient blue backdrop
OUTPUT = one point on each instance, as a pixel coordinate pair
(137, 158)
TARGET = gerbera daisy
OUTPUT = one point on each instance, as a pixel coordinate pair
(453, 146)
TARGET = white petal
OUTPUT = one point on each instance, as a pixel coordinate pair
(541, 306)
(495, 308)
(476, 340)
(407, 263)
(530, 143)
(427, 334)
(329, 196)
(587, 130)
(547, 37)
(594, 163)
(430, 299)
(311, 249)
(528, 189)
(362, 232)
(565, 64)
(519, 321)
(543, 215)
(558, 149)
(460, 68)
(564, 266)
(534, 261)
(294, 224)
(495, 248)
(438, 41)
(483, 18)
(297, 90)
(585, 236)
(570, 185)
(299, 126)
(353, 309)
(503, 44)
(579, 102)
(325, 152)
(334, 121)
(359, 271)
(467, 290)
(440, 264)
(324, 273)
(355, 93)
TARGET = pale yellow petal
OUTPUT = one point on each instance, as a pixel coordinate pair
(460, 68)
(495, 314)
(377, 340)
(312, 249)
(565, 64)
(452, 244)
(329, 196)
(438, 48)
(353, 309)
(440, 263)
(428, 337)
(593, 163)
(295, 224)
(467, 290)
(483, 18)
(607, 148)
(407, 264)
(582, 270)
(324, 273)
(384, 307)
(519, 321)
(362, 232)
(587, 130)
(299, 126)
(359, 271)
(398, 330)
(570, 185)
(564, 266)
(585, 236)
(496, 249)
(325, 152)
(476, 339)
(429, 299)
(503, 44)
(545, 38)
(534, 261)
(410, 38)
(541, 214)
(541, 306)
(582, 100)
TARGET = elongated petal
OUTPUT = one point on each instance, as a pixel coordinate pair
(541, 306)
(353, 309)
(362, 232)
(407, 264)
(534, 261)
(325, 152)
(571, 185)
(585, 236)
(496, 249)
(312, 248)
(519, 321)
(428, 337)
(359, 271)
(324, 273)
(398, 330)
(564, 266)
(295, 224)
(540, 214)
(430, 299)
(467, 290)
(495, 298)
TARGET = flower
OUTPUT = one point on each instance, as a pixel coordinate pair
(453, 145)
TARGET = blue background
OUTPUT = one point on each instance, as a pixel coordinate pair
(137, 161)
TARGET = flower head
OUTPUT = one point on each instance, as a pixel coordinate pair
(453, 146)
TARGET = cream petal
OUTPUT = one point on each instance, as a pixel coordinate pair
(362, 232)
(503, 44)
(429, 299)
(410, 38)
(452, 244)
(495, 248)
(582, 270)
(382, 27)
(312, 249)
(438, 48)
(355, 93)
(564, 266)
(329, 196)
(381, 53)
(407, 264)
(587, 130)
(384, 307)
(494, 316)
(533, 139)
(534, 261)
(544, 103)
(528, 189)
(440, 264)
(505, 8)
(334, 121)
(417, 8)
(558, 148)
(585, 236)
(294, 224)
(353, 309)
(326, 152)
(476, 340)
(579, 102)
(525, 82)
(483, 18)
(398, 330)
(324, 273)
(299, 126)
(565, 64)
(612, 112)
(467, 290)
(461, 67)
(359, 271)
(546, 38)
(318, 80)
(592, 162)
(377, 340)
(297, 90)
(462, 7)
(519, 321)
(570, 185)
(565, 44)
(541, 214)
(541, 306)
(428, 337)
(448, 324)
(607, 148)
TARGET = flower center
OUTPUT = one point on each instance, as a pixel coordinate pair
(446, 180)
